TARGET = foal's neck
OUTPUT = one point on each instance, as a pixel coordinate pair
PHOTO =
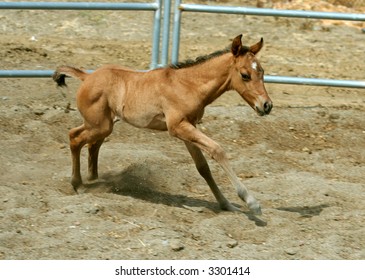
(211, 78)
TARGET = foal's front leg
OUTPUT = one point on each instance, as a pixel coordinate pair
(204, 170)
(189, 133)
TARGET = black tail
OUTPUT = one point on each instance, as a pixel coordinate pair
(59, 78)
(68, 71)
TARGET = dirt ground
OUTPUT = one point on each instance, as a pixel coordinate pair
(305, 162)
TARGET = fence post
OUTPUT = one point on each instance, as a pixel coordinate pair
(166, 33)
(156, 35)
(176, 33)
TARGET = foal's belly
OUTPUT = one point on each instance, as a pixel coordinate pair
(141, 114)
(157, 122)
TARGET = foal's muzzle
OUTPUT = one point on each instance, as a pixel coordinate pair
(265, 110)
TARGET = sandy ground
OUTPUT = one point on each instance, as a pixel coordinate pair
(305, 162)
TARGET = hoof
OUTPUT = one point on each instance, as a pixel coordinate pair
(80, 189)
(92, 177)
(253, 205)
(77, 185)
(255, 208)
(229, 207)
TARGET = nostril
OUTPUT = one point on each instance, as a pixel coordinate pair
(267, 107)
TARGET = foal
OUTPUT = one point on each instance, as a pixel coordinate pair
(171, 98)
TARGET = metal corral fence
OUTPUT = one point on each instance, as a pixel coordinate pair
(155, 6)
(180, 8)
(160, 58)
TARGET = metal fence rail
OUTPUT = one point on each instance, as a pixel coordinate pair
(179, 8)
(79, 6)
(156, 7)
(26, 73)
(268, 79)
(313, 81)
(269, 12)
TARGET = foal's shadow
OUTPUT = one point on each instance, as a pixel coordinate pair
(138, 182)
(306, 211)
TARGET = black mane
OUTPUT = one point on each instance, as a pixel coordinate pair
(204, 58)
(199, 59)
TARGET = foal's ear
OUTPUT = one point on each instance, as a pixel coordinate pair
(237, 45)
(257, 47)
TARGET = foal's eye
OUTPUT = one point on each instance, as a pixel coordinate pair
(245, 77)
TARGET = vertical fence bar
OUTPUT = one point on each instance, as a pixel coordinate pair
(166, 33)
(156, 35)
(176, 33)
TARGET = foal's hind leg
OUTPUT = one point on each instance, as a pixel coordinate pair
(204, 170)
(76, 144)
(93, 135)
(93, 159)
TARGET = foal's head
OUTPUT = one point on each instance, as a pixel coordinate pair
(247, 76)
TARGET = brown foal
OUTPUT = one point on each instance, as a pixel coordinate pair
(171, 98)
